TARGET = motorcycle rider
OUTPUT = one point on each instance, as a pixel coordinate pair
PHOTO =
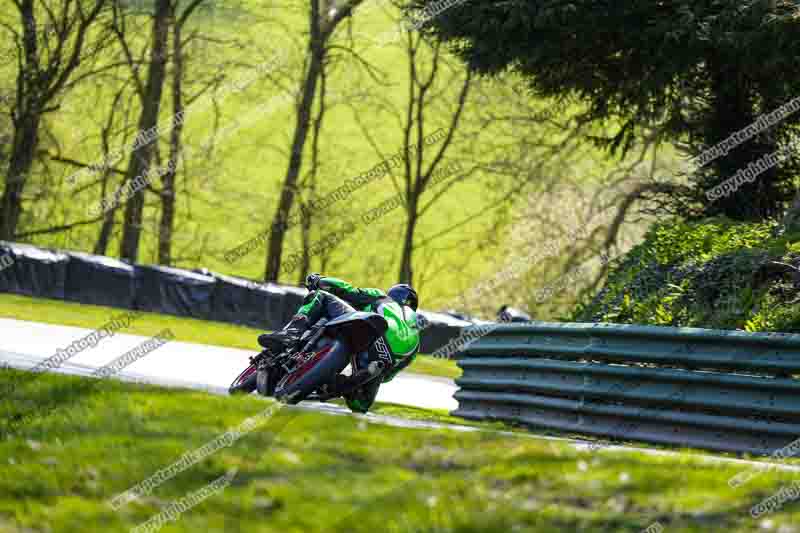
(331, 298)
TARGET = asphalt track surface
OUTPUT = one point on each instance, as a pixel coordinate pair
(23, 344)
(197, 366)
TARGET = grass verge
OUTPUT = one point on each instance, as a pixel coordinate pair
(185, 329)
(305, 471)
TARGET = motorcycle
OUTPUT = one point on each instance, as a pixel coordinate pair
(310, 370)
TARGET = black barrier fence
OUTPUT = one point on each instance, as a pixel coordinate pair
(100, 280)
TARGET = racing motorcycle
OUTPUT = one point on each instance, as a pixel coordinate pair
(310, 370)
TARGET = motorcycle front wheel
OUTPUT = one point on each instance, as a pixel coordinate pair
(327, 360)
(266, 381)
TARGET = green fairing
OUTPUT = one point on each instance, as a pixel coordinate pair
(402, 335)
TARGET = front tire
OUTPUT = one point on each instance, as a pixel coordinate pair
(297, 385)
(265, 382)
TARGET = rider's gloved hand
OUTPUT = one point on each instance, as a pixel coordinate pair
(312, 282)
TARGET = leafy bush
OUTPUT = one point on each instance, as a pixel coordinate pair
(715, 274)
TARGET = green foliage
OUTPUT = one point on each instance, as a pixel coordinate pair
(716, 273)
(696, 70)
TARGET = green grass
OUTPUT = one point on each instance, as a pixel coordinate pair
(304, 471)
(185, 329)
(434, 366)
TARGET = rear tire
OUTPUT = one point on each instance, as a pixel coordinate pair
(292, 389)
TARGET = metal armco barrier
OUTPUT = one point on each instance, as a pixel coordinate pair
(718, 390)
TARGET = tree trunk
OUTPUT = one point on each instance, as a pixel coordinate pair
(309, 89)
(168, 181)
(139, 165)
(417, 178)
(406, 268)
(26, 137)
(107, 227)
(305, 241)
(26, 118)
(308, 214)
(167, 219)
(101, 246)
